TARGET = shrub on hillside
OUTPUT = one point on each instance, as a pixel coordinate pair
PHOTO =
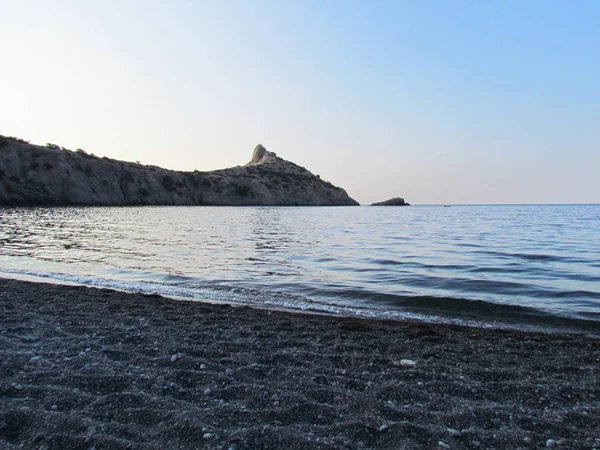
(242, 191)
(168, 183)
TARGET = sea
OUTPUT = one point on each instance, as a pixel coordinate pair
(496, 266)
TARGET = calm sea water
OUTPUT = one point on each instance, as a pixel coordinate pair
(526, 266)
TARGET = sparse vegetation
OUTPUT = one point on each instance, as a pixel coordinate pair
(125, 179)
(48, 166)
(84, 154)
(191, 178)
(52, 146)
(5, 140)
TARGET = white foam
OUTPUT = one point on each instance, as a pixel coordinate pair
(220, 293)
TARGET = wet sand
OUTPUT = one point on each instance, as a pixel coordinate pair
(90, 368)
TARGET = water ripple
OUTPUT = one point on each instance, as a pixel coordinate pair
(533, 260)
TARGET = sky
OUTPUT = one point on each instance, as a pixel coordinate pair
(439, 102)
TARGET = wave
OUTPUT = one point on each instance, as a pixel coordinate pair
(353, 302)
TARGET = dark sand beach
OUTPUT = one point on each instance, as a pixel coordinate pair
(90, 368)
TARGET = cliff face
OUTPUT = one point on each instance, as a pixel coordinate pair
(35, 175)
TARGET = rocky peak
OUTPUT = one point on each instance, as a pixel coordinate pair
(261, 155)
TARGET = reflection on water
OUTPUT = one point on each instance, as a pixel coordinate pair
(541, 257)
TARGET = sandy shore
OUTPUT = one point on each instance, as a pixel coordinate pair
(89, 368)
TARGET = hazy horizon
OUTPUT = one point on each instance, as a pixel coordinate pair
(436, 102)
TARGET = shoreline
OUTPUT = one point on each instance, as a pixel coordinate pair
(86, 367)
(544, 323)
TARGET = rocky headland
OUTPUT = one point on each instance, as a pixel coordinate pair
(396, 201)
(33, 175)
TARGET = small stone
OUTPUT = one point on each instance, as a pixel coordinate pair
(202, 366)
(476, 444)
(38, 438)
(37, 360)
(207, 436)
(550, 443)
(54, 407)
(527, 440)
(407, 363)
(174, 358)
(383, 428)
(207, 391)
(442, 444)
(454, 433)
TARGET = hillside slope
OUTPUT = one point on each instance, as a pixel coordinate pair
(44, 176)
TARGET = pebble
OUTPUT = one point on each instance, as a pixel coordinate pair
(38, 438)
(476, 444)
(202, 366)
(207, 436)
(407, 363)
(383, 428)
(207, 391)
(454, 433)
(527, 440)
(174, 358)
(442, 444)
(550, 443)
(54, 407)
(37, 360)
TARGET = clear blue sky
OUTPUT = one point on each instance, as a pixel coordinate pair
(436, 101)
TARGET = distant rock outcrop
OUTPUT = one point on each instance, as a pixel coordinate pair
(396, 201)
(51, 175)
